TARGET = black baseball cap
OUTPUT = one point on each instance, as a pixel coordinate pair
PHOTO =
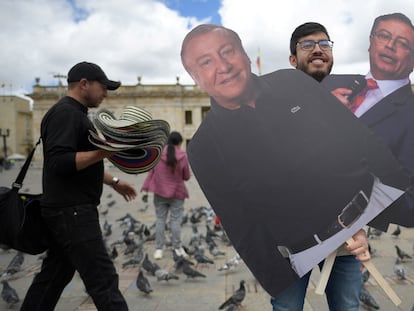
(91, 72)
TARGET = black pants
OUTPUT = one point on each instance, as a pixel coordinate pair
(77, 245)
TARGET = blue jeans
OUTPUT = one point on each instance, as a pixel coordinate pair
(342, 290)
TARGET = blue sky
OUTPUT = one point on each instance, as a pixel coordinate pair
(206, 10)
(79, 13)
(202, 9)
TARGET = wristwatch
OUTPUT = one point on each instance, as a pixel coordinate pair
(114, 181)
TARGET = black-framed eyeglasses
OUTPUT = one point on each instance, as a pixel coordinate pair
(309, 45)
(384, 37)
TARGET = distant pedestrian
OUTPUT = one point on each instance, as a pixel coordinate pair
(166, 181)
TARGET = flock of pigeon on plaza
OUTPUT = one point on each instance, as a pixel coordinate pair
(129, 249)
(367, 300)
(205, 245)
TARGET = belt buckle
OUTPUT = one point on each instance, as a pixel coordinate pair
(353, 202)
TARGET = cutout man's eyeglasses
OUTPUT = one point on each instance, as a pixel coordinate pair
(384, 37)
(309, 45)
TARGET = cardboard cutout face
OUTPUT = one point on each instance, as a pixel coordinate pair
(296, 175)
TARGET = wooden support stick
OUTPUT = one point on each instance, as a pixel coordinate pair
(380, 279)
(369, 265)
(382, 282)
(325, 273)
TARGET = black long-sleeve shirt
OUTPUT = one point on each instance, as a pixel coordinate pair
(64, 130)
(277, 173)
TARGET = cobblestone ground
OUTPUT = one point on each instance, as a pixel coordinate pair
(202, 294)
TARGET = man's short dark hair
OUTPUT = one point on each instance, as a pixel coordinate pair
(305, 30)
(393, 16)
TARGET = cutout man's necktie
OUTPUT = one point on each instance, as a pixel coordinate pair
(357, 101)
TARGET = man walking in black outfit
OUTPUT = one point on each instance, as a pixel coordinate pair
(73, 178)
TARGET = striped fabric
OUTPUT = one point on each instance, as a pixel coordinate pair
(137, 139)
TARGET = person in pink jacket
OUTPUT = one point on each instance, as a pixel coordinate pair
(166, 181)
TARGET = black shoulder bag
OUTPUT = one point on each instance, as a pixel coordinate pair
(21, 225)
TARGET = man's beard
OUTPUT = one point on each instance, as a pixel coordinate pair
(318, 75)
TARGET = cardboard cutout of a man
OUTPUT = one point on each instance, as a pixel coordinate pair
(388, 107)
(284, 165)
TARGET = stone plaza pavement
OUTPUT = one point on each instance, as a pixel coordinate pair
(202, 294)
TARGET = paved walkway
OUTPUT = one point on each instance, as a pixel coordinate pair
(199, 294)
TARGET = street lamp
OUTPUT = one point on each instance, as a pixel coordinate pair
(5, 135)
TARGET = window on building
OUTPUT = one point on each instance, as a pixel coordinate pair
(204, 111)
(188, 117)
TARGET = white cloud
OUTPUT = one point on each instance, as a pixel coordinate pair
(130, 38)
(40, 38)
(269, 25)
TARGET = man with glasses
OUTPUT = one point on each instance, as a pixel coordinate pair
(311, 52)
(388, 108)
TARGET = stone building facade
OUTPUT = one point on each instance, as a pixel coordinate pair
(182, 106)
(15, 125)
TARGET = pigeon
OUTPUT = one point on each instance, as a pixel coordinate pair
(196, 214)
(129, 224)
(114, 253)
(104, 212)
(136, 260)
(401, 254)
(372, 251)
(366, 298)
(365, 276)
(143, 284)
(237, 297)
(129, 237)
(143, 209)
(111, 203)
(179, 262)
(210, 241)
(184, 219)
(210, 233)
(215, 251)
(209, 213)
(201, 258)
(232, 307)
(127, 217)
(190, 272)
(15, 264)
(373, 233)
(231, 264)
(195, 237)
(107, 229)
(9, 294)
(164, 275)
(143, 231)
(399, 269)
(131, 247)
(149, 266)
(396, 232)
